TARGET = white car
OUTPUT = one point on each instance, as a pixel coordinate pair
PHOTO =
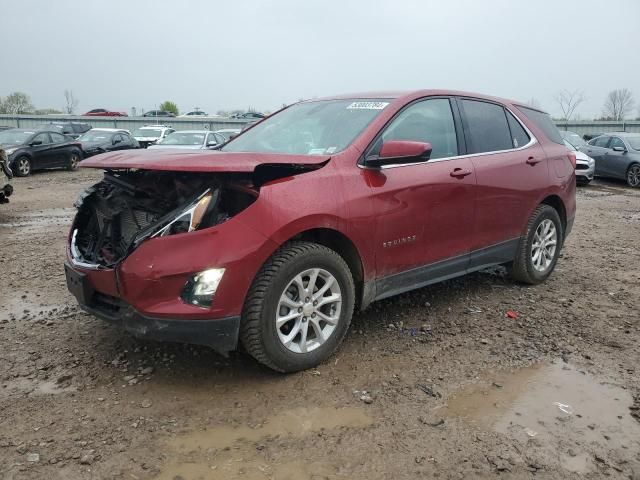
(150, 134)
(585, 165)
(228, 133)
(191, 140)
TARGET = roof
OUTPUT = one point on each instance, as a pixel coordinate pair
(100, 129)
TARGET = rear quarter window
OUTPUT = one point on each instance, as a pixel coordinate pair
(543, 122)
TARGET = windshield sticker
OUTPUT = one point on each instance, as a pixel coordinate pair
(367, 105)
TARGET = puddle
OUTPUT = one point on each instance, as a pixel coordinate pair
(296, 422)
(34, 222)
(571, 414)
(229, 452)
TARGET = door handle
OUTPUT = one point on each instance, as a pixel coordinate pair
(460, 173)
(532, 161)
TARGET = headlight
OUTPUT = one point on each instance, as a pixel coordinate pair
(9, 151)
(201, 287)
(189, 219)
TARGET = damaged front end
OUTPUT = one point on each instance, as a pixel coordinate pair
(128, 207)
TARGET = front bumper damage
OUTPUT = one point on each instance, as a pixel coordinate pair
(122, 272)
(220, 334)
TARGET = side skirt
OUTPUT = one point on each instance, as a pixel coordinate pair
(446, 269)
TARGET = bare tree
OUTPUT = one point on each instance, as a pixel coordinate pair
(618, 104)
(569, 101)
(17, 103)
(71, 102)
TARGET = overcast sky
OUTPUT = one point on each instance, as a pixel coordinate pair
(120, 54)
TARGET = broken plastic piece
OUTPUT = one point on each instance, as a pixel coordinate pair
(568, 409)
(531, 433)
(512, 314)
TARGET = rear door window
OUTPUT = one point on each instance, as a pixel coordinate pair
(57, 138)
(601, 141)
(543, 122)
(430, 121)
(519, 135)
(617, 142)
(487, 128)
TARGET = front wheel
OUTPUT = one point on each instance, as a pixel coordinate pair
(74, 160)
(299, 307)
(633, 175)
(22, 166)
(539, 248)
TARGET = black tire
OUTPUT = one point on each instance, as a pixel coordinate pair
(633, 175)
(22, 166)
(258, 332)
(522, 269)
(583, 182)
(74, 160)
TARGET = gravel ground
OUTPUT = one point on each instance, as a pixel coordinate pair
(436, 383)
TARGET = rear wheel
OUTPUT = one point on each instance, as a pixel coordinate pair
(633, 175)
(299, 307)
(74, 160)
(539, 248)
(22, 166)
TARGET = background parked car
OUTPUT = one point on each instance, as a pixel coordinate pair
(190, 139)
(249, 115)
(197, 113)
(573, 138)
(101, 112)
(585, 165)
(71, 129)
(100, 140)
(150, 134)
(158, 113)
(228, 133)
(30, 150)
(590, 136)
(617, 155)
(6, 189)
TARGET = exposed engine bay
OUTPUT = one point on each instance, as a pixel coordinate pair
(128, 207)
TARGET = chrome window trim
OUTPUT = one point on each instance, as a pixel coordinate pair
(532, 141)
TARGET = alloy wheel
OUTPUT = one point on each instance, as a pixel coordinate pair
(73, 161)
(308, 310)
(24, 167)
(543, 248)
(633, 176)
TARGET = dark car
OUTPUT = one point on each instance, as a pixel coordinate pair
(617, 155)
(101, 112)
(158, 113)
(324, 207)
(100, 140)
(71, 129)
(30, 150)
(249, 115)
(6, 189)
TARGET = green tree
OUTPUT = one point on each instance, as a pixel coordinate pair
(17, 103)
(169, 106)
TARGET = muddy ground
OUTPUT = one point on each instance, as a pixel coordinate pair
(437, 383)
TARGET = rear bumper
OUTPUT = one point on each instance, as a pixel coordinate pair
(220, 334)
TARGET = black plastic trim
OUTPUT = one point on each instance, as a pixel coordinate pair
(446, 269)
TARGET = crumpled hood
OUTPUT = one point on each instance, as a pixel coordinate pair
(197, 160)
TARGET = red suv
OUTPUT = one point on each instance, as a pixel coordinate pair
(324, 207)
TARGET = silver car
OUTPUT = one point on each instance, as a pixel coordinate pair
(585, 165)
(190, 139)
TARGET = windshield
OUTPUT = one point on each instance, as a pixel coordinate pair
(14, 137)
(574, 139)
(314, 128)
(147, 132)
(634, 142)
(183, 138)
(570, 146)
(95, 136)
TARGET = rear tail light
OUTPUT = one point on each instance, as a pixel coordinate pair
(572, 159)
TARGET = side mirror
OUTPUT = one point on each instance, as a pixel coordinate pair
(212, 143)
(116, 141)
(619, 149)
(36, 142)
(396, 152)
